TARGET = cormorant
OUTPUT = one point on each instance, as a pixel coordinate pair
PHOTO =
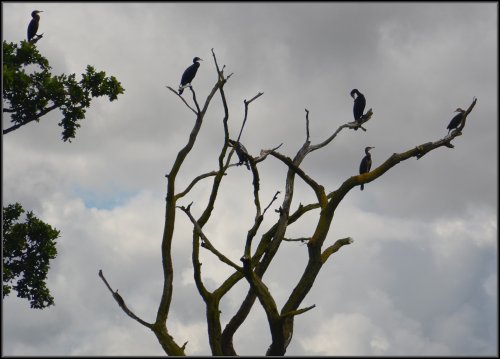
(242, 153)
(189, 74)
(455, 121)
(366, 163)
(359, 105)
(33, 26)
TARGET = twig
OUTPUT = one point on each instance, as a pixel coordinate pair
(307, 125)
(183, 100)
(298, 311)
(303, 239)
(270, 203)
(246, 113)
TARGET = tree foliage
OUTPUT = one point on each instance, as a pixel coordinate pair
(28, 247)
(260, 248)
(31, 92)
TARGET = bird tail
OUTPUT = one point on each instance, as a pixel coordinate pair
(362, 186)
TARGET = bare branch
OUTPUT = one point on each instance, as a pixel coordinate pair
(270, 203)
(307, 125)
(122, 304)
(183, 99)
(246, 113)
(351, 125)
(264, 153)
(219, 72)
(193, 183)
(302, 239)
(335, 247)
(205, 241)
(195, 100)
(318, 189)
(298, 311)
(253, 98)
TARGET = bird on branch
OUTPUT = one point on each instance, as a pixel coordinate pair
(359, 106)
(33, 25)
(455, 121)
(189, 74)
(119, 299)
(366, 163)
(242, 153)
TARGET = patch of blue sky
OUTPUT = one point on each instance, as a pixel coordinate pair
(108, 198)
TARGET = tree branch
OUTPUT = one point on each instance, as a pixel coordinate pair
(206, 242)
(35, 118)
(317, 188)
(298, 311)
(193, 183)
(122, 304)
(182, 98)
(302, 239)
(246, 113)
(307, 125)
(335, 247)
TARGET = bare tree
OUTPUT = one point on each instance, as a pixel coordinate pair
(256, 257)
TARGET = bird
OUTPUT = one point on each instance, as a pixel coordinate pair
(359, 105)
(33, 25)
(242, 153)
(366, 163)
(119, 299)
(455, 121)
(189, 74)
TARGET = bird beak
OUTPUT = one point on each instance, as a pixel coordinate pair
(201, 59)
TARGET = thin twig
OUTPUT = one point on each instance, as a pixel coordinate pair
(182, 98)
(246, 113)
(307, 125)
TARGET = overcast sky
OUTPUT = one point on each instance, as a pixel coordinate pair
(421, 276)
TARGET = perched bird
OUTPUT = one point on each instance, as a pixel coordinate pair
(189, 74)
(119, 298)
(366, 163)
(359, 105)
(242, 153)
(455, 121)
(33, 25)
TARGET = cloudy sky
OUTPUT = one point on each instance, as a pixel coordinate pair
(421, 276)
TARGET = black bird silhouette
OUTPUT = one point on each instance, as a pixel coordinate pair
(455, 121)
(359, 105)
(366, 163)
(242, 153)
(189, 74)
(33, 25)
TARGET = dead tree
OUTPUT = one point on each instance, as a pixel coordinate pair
(258, 252)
